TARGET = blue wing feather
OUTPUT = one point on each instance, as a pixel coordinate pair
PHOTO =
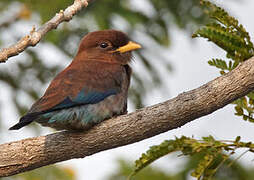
(91, 97)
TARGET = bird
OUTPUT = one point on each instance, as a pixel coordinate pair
(94, 86)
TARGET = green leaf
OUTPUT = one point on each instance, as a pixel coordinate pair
(213, 153)
(227, 33)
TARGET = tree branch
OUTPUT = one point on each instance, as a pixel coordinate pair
(28, 154)
(35, 36)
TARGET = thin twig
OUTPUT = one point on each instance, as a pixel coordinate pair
(36, 35)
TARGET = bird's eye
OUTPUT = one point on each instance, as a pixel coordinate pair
(104, 45)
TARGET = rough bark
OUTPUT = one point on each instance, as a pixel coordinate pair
(28, 154)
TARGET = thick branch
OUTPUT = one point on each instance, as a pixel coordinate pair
(28, 154)
(35, 35)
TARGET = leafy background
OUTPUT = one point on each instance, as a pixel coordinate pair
(25, 77)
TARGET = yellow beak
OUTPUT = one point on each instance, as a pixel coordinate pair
(128, 47)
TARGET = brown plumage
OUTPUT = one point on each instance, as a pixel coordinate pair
(92, 88)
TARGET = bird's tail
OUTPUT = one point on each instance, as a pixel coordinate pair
(25, 120)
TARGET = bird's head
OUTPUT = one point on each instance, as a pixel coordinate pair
(108, 46)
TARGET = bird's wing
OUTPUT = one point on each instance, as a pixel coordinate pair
(79, 84)
(89, 83)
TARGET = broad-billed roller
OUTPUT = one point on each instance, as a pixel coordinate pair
(92, 88)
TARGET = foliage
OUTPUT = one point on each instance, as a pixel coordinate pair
(213, 153)
(226, 32)
(230, 170)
